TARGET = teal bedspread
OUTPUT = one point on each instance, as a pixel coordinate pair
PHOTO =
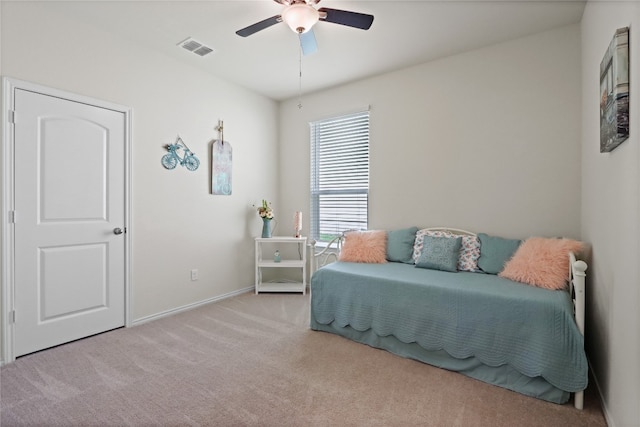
(496, 321)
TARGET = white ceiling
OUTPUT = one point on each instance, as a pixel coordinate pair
(403, 33)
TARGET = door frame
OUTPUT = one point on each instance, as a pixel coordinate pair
(9, 86)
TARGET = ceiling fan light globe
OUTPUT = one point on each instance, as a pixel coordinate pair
(300, 17)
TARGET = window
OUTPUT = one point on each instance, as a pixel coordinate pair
(339, 175)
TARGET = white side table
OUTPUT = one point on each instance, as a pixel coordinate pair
(267, 261)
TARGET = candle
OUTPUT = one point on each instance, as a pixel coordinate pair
(297, 224)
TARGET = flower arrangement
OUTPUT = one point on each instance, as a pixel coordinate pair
(265, 210)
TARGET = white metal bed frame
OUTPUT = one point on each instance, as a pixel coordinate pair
(577, 276)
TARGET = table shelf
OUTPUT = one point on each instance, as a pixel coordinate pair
(284, 263)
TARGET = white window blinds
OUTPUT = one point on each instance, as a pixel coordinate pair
(339, 175)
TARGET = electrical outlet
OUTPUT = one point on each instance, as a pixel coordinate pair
(194, 274)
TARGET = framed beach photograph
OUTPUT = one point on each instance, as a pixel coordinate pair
(614, 92)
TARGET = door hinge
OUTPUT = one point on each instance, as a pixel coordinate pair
(12, 217)
(12, 316)
(12, 116)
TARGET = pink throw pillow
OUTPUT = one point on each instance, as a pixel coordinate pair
(541, 262)
(364, 246)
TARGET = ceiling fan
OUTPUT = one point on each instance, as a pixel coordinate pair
(301, 16)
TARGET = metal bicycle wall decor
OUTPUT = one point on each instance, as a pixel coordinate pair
(172, 158)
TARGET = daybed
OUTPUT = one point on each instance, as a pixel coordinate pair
(514, 335)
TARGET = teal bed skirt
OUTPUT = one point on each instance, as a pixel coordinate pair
(502, 376)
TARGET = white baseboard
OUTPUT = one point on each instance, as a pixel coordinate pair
(190, 306)
(605, 410)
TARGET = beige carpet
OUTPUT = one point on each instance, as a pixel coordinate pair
(253, 361)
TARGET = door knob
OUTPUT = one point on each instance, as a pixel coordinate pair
(117, 230)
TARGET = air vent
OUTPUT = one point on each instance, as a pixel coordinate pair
(195, 47)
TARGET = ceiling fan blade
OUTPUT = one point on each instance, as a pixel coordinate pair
(308, 43)
(344, 17)
(259, 26)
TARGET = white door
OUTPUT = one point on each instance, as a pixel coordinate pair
(69, 262)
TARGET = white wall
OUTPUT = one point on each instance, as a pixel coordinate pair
(610, 214)
(487, 140)
(177, 224)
